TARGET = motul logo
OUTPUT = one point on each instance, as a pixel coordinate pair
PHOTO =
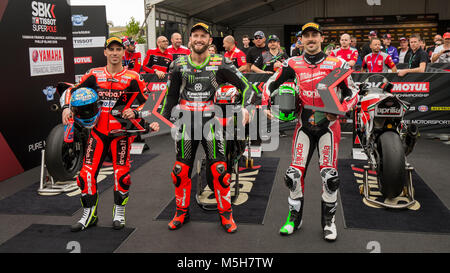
(83, 60)
(43, 9)
(411, 87)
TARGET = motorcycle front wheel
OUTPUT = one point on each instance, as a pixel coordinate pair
(391, 173)
(63, 160)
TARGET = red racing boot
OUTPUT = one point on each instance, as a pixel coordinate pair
(227, 221)
(181, 217)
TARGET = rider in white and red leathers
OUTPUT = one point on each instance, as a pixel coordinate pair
(314, 129)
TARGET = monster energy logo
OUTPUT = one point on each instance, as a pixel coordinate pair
(191, 79)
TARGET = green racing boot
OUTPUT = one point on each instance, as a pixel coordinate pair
(294, 219)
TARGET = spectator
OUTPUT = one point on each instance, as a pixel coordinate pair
(132, 60)
(158, 59)
(328, 49)
(296, 44)
(233, 53)
(365, 49)
(437, 42)
(176, 48)
(391, 50)
(417, 63)
(354, 44)
(442, 53)
(377, 61)
(270, 61)
(404, 52)
(350, 55)
(423, 46)
(212, 49)
(246, 44)
(259, 48)
(298, 50)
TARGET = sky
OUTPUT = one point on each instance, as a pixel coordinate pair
(117, 11)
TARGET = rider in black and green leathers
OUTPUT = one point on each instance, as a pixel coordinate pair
(193, 87)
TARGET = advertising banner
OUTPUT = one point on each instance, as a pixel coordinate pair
(38, 53)
(428, 94)
(89, 35)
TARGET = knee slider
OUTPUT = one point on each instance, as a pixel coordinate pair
(125, 181)
(330, 179)
(292, 178)
(180, 172)
(219, 172)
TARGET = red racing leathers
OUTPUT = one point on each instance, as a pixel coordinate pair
(102, 138)
(132, 61)
(313, 128)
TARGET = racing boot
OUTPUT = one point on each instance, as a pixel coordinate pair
(227, 221)
(120, 200)
(181, 217)
(294, 219)
(328, 219)
(89, 217)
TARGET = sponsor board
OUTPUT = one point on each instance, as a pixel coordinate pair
(89, 42)
(46, 61)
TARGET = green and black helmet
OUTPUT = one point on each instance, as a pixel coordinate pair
(286, 99)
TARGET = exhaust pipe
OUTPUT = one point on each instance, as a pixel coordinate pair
(412, 133)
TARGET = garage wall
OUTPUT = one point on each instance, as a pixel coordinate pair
(307, 11)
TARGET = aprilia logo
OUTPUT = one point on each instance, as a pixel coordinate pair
(43, 9)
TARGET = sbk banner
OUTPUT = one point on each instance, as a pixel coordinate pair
(39, 56)
(427, 92)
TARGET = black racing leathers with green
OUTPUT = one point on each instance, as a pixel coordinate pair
(192, 88)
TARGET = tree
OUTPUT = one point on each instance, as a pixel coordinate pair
(133, 30)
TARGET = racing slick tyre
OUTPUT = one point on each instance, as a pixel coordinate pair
(63, 160)
(391, 172)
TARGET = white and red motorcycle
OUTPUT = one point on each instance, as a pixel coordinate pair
(386, 140)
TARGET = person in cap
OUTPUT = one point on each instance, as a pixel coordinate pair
(259, 39)
(192, 84)
(115, 79)
(365, 49)
(270, 61)
(297, 44)
(442, 53)
(315, 129)
(132, 60)
(233, 53)
(404, 52)
(389, 49)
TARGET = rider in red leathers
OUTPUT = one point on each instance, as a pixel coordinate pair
(314, 128)
(110, 82)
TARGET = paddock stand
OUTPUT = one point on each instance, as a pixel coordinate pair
(408, 190)
(48, 186)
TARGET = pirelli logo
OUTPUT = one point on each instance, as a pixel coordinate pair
(440, 108)
(314, 25)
